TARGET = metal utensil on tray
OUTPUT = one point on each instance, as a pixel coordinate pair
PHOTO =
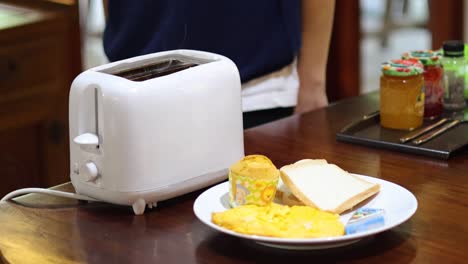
(418, 132)
(363, 118)
(458, 118)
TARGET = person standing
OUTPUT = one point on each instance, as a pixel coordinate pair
(279, 46)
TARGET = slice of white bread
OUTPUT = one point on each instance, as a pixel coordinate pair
(324, 186)
(282, 189)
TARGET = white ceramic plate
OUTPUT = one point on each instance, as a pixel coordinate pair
(399, 205)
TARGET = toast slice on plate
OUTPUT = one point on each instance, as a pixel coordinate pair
(282, 189)
(323, 186)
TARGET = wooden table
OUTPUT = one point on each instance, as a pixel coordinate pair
(38, 228)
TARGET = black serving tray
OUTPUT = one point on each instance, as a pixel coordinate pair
(367, 131)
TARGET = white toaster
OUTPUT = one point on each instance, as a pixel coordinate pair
(154, 127)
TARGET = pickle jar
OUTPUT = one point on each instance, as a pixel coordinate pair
(401, 94)
(433, 81)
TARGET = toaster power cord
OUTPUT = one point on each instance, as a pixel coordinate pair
(46, 191)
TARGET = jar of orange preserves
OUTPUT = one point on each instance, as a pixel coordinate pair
(401, 94)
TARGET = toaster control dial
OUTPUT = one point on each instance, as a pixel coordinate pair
(89, 171)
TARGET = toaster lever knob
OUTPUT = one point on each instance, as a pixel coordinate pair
(87, 139)
(90, 171)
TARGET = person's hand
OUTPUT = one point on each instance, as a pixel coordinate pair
(311, 97)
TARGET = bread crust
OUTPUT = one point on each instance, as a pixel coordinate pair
(351, 202)
(289, 199)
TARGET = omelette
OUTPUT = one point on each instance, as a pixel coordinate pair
(276, 220)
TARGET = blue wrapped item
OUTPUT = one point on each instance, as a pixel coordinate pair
(365, 219)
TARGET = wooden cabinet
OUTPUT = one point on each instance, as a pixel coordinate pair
(39, 57)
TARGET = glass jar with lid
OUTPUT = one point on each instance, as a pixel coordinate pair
(433, 80)
(401, 94)
(454, 75)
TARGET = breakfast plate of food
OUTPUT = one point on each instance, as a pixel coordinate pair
(310, 204)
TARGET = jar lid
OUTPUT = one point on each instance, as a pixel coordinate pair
(426, 57)
(406, 67)
(454, 48)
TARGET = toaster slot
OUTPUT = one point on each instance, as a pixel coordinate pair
(145, 70)
(155, 70)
